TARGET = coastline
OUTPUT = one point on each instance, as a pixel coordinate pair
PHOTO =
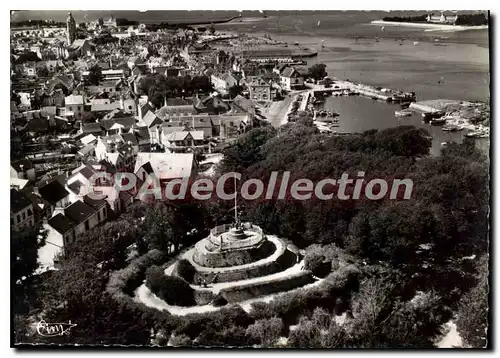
(429, 27)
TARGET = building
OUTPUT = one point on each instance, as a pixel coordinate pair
(22, 169)
(21, 211)
(442, 18)
(184, 141)
(79, 218)
(262, 90)
(165, 166)
(223, 82)
(56, 197)
(70, 29)
(274, 55)
(75, 107)
(291, 79)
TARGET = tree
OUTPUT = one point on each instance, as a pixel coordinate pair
(212, 29)
(267, 331)
(318, 71)
(24, 252)
(472, 322)
(95, 75)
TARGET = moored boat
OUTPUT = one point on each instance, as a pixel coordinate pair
(437, 121)
(403, 113)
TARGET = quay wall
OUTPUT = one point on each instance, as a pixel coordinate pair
(422, 108)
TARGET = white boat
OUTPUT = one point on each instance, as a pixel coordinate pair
(415, 43)
(403, 113)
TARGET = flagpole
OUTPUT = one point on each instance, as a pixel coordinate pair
(235, 201)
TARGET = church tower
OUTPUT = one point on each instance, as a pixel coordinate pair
(70, 29)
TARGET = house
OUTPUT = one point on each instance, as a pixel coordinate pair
(152, 123)
(78, 218)
(118, 125)
(78, 48)
(22, 169)
(135, 61)
(100, 109)
(79, 182)
(117, 200)
(242, 105)
(117, 151)
(91, 128)
(55, 194)
(128, 103)
(291, 79)
(63, 227)
(223, 82)
(183, 141)
(165, 166)
(75, 107)
(212, 104)
(233, 125)
(262, 90)
(21, 211)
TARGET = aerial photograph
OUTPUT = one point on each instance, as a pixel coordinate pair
(315, 179)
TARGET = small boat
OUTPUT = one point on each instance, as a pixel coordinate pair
(451, 128)
(296, 43)
(403, 113)
(437, 121)
(415, 43)
(474, 134)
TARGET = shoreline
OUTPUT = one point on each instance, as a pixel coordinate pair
(429, 27)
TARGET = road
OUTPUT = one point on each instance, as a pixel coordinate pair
(276, 112)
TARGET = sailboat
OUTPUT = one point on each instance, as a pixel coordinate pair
(322, 43)
(319, 22)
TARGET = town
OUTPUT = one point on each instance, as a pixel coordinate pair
(99, 107)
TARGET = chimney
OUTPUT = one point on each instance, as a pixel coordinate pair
(122, 103)
(139, 110)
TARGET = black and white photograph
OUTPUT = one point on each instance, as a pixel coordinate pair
(286, 179)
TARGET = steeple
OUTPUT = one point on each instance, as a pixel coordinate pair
(70, 29)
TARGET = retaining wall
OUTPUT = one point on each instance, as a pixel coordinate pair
(234, 257)
(284, 261)
(246, 292)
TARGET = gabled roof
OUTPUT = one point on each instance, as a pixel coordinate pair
(142, 133)
(26, 163)
(76, 186)
(61, 223)
(130, 137)
(150, 119)
(89, 138)
(100, 107)
(91, 128)
(126, 122)
(53, 192)
(167, 165)
(96, 204)
(74, 100)
(17, 201)
(290, 72)
(79, 211)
